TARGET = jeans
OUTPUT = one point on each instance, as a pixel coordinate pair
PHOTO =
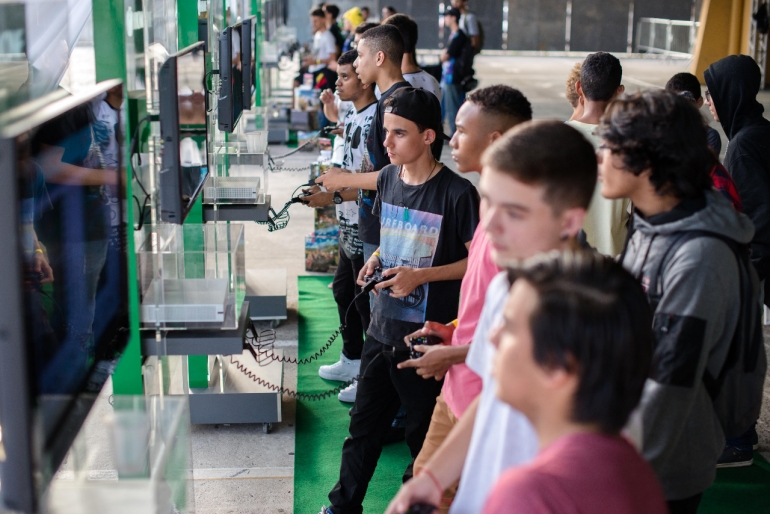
(453, 97)
(353, 318)
(381, 388)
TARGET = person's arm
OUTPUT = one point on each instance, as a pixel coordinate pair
(753, 184)
(58, 172)
(406, 279)
(472, 29)
(336, 179)
(689, 323)
(324, 198)
(436, 360)
(446, 466)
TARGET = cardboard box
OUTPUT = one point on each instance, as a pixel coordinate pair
(321, 253)
(326, 224)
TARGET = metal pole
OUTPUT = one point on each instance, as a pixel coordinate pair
(568, 29)
(630, 35)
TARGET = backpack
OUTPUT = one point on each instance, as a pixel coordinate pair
(736, 392)
(476, 48)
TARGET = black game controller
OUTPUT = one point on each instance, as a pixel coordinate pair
(373, 279)
(421, 508)
(426, 340)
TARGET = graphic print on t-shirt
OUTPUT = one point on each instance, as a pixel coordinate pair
(408, 237)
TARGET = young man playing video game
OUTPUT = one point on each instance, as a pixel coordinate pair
(356, 123)
(536, 186)
(428, 215)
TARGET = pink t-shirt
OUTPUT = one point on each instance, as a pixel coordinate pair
(580, 474)
(462, 385)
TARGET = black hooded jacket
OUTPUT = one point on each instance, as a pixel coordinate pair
(734, 83)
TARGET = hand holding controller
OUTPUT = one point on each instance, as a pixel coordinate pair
(373, 280)
(424, 340)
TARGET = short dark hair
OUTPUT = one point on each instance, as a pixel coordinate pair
(662, 132)
(365, 26)
(332, 9)
(318, 13)
(392, 10)
(503, 104)
(348, 57)
(386, 39)
(550, 154)
(592, 318)
(364, 8)
(600, 76)
(684, 82)
(408, 28)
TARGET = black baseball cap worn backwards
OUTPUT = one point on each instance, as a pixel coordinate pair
(419, 106)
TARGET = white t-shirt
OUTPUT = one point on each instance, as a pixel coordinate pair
(357, 124)
(421, 79)
(606, 221)
(323, 47)
(502, 436)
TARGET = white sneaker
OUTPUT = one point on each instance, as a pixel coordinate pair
(348, 395)
(343, 370)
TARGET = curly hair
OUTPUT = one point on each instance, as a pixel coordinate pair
(664, 133)
(572, 79)
(502, 103)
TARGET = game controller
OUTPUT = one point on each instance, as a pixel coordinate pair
(421, 508)
(373, 279)
(426, 340)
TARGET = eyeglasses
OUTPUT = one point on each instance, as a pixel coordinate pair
(603, 147)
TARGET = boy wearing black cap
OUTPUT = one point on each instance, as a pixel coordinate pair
(428, 215)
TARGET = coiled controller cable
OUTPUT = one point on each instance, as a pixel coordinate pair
(261, 348)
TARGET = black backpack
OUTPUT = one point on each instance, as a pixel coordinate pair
(736, 392)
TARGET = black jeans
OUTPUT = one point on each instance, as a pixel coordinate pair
(381, 389)
(686, 506)
(345, 289)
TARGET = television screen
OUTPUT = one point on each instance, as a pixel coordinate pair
(248, 59)
(230, 103)
(183, 130)
(64, 317)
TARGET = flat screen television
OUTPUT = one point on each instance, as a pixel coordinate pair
(230, 105)
(64, 310)
(183, 130)
(248, 59)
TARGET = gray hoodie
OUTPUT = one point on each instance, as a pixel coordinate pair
(694, 324)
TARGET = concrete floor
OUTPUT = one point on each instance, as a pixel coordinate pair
(237, 468)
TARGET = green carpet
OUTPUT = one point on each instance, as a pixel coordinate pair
(739, 490)
(322, 426)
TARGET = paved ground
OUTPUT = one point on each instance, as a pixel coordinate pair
(238, 469)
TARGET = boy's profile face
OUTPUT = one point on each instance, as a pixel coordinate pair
(615, 180)
(470, 139)
(517, 219)
(403, 140)
(317, 23)
(517, 373)
(365, 64)
(348, 85)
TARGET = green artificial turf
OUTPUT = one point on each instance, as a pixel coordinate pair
(739, 490)
(323, 425)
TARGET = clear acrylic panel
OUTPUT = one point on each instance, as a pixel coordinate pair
(192, 276)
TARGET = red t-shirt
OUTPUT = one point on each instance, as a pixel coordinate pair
(462, 385)
(580, 474)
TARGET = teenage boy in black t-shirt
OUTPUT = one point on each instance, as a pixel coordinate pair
(428, 215)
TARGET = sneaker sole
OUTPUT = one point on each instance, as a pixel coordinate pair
(742, 464)
(346, 400)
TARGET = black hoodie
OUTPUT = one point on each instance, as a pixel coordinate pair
(734, 83)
